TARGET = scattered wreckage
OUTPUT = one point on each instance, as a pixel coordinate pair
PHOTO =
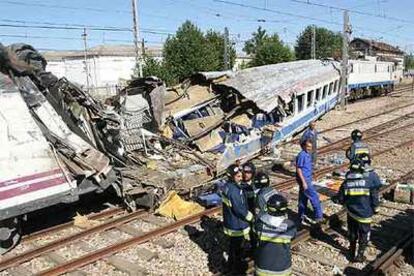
(59, 143)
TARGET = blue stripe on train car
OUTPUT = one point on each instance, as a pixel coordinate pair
(245, 150)
(369, 84)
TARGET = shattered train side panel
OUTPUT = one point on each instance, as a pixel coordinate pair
(29, 170)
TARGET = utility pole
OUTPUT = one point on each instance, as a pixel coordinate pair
(226, 48)
(313, 44)
(143, 47)
(85, 45)
(135, 28)
(344, 72)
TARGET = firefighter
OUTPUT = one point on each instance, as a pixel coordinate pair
(311, 134)
(249, 171)
(357, 147)
(369, 171)
(263, 191)
(304, 170)
(236, 218)
(275, 232)
(360, 199)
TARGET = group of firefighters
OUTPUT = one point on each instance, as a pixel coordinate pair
(256, 215)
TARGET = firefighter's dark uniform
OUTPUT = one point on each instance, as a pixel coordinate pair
(360, 196)
(262, 197)
(236, 221)
(273, 256)
(357, 148)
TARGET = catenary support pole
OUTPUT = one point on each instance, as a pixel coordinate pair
(85, 60)
(313, 43)
(226, 48)
(138, 57)
(344, 73)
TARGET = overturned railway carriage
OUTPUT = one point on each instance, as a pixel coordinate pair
(370, 78)
(231, 116)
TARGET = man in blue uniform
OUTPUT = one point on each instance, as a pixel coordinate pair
(311, 134)
(236, 218)
(357, 147)
(274, 232)
(263, 191)
(360, 199)
(304, 170)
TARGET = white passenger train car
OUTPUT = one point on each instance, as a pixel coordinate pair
(370, 78)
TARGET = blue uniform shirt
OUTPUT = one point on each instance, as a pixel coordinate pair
(304, 162)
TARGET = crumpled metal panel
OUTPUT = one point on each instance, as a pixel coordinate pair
(265, 84)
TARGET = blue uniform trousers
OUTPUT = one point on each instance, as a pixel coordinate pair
(311, 195)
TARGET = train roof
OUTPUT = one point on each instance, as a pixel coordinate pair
(264, 85)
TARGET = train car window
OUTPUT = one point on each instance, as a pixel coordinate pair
(318, 95)
(375, 68)
(325, 89)
(352, 68)
(309, 100)
(300, 102)
(336, 86)
(330, 88)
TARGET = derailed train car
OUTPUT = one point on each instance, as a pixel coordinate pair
(43, 162)
(232, 116)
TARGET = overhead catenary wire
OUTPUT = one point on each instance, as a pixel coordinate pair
(63, 7)
(390, 18)
(306, 17)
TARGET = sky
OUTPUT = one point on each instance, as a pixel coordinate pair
(110, 21)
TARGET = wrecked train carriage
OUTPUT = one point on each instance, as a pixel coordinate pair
(43, 161)
(231, 116)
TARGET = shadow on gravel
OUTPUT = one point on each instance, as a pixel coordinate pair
(385, 235)
(212, 241)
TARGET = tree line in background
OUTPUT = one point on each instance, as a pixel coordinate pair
(190, 51)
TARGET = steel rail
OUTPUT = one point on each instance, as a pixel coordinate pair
(33, 253)
(112, 249)
(104, 214)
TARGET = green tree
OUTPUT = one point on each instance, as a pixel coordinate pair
(215, 42)
(187, 52)
(409, 62)
(328, 43)
(266, 49)
(153, 67)
(257, 40)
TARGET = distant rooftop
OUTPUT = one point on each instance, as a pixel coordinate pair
(379, 46)
(100, 50)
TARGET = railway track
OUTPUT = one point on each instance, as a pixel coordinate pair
(391, 233)
(136, 236)
(106, 214)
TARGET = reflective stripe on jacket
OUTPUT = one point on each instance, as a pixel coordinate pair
(360, 196)
(236, 216)
(274, 235)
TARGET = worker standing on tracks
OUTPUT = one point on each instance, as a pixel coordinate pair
(263, 191)
(249, 172)
(236, 218)
(360, 199)
(311, 134)
(304, 171)
(357, 147)
(275, 232)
